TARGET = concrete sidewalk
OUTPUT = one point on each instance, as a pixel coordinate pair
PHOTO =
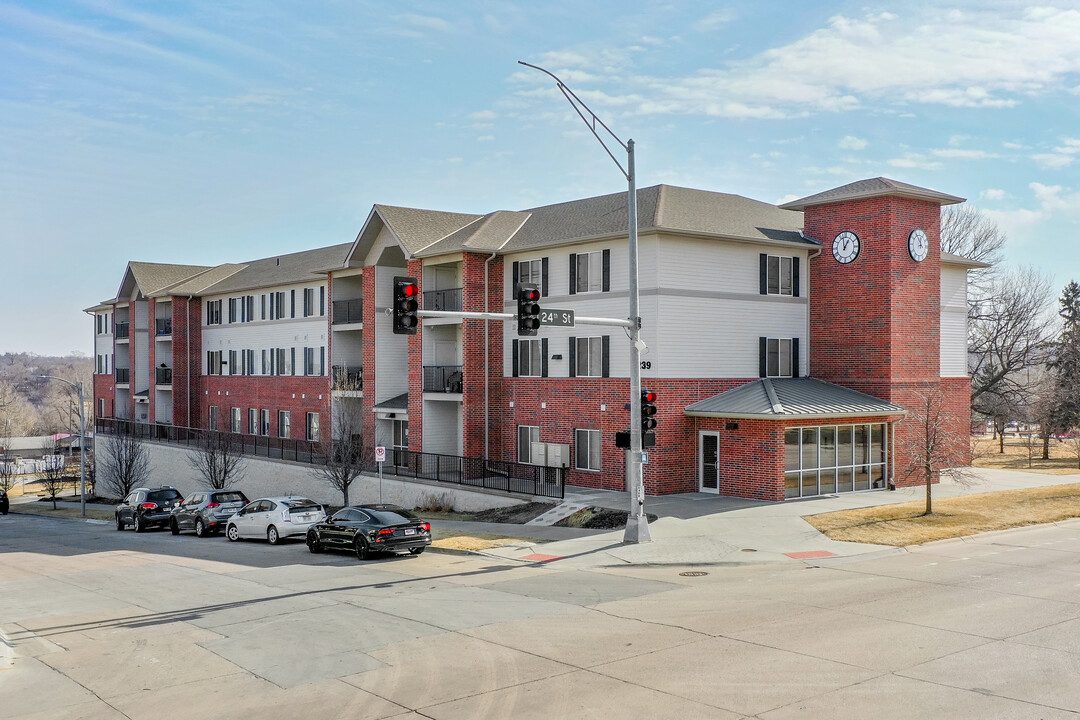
(703, 529)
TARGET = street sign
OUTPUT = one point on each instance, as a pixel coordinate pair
(644, 458)
(380, 454)
(557, 318)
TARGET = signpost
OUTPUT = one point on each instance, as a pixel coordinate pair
(380, 457)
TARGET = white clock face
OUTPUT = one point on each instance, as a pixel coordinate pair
(845, 247)
(918, 245)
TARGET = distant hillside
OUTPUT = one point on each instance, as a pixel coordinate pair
(30, 405)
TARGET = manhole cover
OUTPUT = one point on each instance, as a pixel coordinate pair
(749, 550)
(693, 573)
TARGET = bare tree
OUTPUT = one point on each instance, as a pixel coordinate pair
(54, 474)
(342, 450)
(218, 459)
(966, 231)
(124, 463)
(7, 475)
(931, 444)
(1072, 442)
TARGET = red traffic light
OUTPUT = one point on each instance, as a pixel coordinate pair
(531, 295)
(408, 290)
(648, 396)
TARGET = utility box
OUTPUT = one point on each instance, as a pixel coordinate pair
(558, 455)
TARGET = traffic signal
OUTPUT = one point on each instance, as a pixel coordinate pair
(648, 410)
(405, 305)
(528, 308)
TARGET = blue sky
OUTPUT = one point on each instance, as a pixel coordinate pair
(206, 132)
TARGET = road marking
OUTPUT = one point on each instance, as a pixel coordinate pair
(539, 557)
(810, 554)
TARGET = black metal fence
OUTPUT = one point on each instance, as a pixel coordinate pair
(163, 376)
(163, 326)
(123, 375)
(510, 477)
(443, 378)
(121, 329)
(449, 300)
(347, 377)
(347, 311)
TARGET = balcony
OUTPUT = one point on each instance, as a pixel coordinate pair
(163, 376)
(443, 378)
(123, 375)
(347, 311)
(449, 300)
(121, 329)
(163, 326)
(347, 377)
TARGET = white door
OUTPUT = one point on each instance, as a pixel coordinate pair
(709, 461)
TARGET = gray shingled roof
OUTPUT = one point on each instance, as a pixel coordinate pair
(152, 277)
(417, 229)
(196, 285)
(398, 402)
(874, 187)
(778, 398)
(280, 270)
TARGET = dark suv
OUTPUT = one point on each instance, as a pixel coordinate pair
(146, 507)
(206, 512)
(3, 502)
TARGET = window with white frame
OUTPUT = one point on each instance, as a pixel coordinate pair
(235, 425)
(214, 419)
(264, 422)
(283, 423)
(213, 312)
(101, 408)
(253, 421)
(234, 362)
(588, 356)
(527, 435)
(312, 430)
(309, 302)
(213, 362)
(249, 309)
(309, 361)
(588, 272)
(530, 358)
(234, 305)
(778, 358)
(779, 274)
(587, 447)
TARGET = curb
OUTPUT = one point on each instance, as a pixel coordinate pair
(87, 520)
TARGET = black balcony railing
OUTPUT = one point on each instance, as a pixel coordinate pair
(509, 477)
(443, 299)
(123, 375)
(163, 376)
(443, 378)
(121, 329)
(348, 377)
(347, 311)
(163, 326)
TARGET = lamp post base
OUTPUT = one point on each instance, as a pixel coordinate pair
(637, 529)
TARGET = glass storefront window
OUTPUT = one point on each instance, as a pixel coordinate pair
(843, 445)
(809, 448)
(827, 442)
(791, 484)
(877, 445)
(861, 443)
(828, 480)
(809, 483)
(791, 450)
(835, 458)
(843, 480)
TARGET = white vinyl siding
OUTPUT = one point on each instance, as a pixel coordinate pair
(954, 326)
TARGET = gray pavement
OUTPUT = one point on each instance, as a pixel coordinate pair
(117, 625)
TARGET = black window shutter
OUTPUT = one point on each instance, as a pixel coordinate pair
(795, 277)
(272, 298)
(514, 286)
(763, 283)
(573, 276)
(322, 360)
(607, 273)
(292, 357)
(605, 355)
(292, 303)
(322, 300)
(543, 277)
(795, 354)
(763, 356)
(572, 354)
(514, 362)
(544, 353)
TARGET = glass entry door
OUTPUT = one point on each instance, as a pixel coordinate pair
(709, 461)
(401, 443)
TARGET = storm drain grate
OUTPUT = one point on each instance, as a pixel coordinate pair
(693, 573)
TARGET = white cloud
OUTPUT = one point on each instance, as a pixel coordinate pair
(426, 22)
(1052, 161)
(993, 194)
(961, 154)
(849, 142)
(915, 160)
(714, 21)
(483, 115)
(787, 199)
(1013, 146)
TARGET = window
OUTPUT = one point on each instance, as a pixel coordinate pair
(249, 309)
(234, 362)
(532, 271)
(530, 356)
(233, 309)
(213, 424)
(235, 426)
(527, 435)
(283, 363)
(277, 306)
(778, 357)
(264, 422)
(213, 312)
(213, 362)
(253, 421)
(101, 408)
(587, 448)
(312, 429)
(262, 303)
(835, 458)
(589, 357)
(589, 272)
(322, 300)
(309, 361)
(283, 423)
(779, 275)
(309, 302)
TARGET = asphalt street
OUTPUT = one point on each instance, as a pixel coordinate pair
(105, 625)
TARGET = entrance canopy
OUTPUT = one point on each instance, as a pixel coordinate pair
(796, 398)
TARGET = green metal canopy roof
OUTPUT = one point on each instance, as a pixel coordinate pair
(777, 398)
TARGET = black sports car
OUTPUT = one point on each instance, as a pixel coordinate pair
(370, 529)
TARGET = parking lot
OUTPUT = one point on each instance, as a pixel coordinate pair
(119, 625)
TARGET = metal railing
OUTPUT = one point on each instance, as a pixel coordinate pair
(510, 477)
(449, 300)
(123, 375)
(163, 376)
(163, 326)
(347, 377)
(443, 378)
(121, 329)
(303, 451)
(347, 311)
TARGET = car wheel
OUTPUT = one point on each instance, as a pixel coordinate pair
(200, 528)
(272, 536)
(232, 533)
(139, 525)
(313, 543)
(119, 522)
(174, 528)
(417, 551)
(363, 552)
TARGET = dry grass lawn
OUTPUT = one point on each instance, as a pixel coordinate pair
(39, 508)
(1063, 460)
(904, 524)
(474, 541)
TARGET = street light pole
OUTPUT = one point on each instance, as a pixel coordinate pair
(637, 523)
(82, 437)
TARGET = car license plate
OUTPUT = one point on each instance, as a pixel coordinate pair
(409, 531)
(306, 517)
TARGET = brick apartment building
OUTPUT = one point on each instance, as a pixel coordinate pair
(784, 342)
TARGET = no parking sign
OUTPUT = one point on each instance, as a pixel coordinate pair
(380, 454)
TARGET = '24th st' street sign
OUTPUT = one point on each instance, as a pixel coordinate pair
(557, 318)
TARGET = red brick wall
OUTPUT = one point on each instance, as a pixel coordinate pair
(474, 353)
(105, 389)
(187, 386)
(151, 360)
(297, 394)
(957, 392)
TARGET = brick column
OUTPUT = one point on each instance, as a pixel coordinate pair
(416, 365)
(479, 358)
(187, 364)
(367, 340)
